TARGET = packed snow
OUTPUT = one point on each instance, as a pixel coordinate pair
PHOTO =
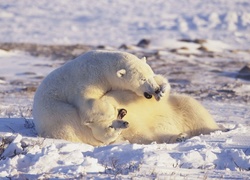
(207, 69)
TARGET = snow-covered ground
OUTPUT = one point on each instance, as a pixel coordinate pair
(112, 22)
(205, 69)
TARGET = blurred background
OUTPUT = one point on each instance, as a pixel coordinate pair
(115, 22)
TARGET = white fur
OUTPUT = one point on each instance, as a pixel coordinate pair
(68, 102)
(170, 120)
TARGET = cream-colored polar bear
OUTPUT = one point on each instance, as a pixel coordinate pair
(68, 102)
(172, 119)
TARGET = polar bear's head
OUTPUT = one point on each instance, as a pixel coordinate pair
(124, 71)
(136, 75)
(107, 132)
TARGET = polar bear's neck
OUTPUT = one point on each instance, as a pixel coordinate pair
(98, 75)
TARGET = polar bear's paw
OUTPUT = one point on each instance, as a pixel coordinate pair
(162, 91)
(119, 124)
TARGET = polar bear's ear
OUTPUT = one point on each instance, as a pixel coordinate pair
(144, 59)
(121, 72)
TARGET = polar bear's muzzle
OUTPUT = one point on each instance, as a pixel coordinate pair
(119, 124)
(149, 96)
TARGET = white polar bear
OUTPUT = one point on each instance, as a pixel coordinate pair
(68, 102)
(174, 118)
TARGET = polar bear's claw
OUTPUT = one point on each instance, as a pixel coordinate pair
(161, 92)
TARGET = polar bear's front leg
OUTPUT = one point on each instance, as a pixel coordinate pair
(94, 110)
(164, 87)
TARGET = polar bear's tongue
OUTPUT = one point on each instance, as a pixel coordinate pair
(148, 96)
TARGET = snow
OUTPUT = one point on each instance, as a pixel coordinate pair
(117, 22)
(39, 158)
(222, 28)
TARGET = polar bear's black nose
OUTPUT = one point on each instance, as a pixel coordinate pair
(148, 96)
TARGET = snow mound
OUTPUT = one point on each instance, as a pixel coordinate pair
(31, 157)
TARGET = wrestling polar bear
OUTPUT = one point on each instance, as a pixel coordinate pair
(174, 118)
(68, 102)
(83, 101)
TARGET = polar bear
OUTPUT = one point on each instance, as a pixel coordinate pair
(68, 102)
(174, 118)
